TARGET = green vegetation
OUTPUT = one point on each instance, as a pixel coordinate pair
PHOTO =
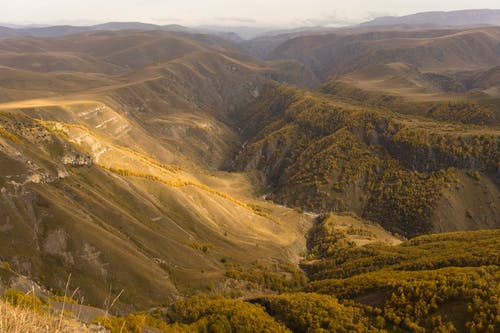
(64, 299)
(303, 312)
(205, 248)
(279, 277)
(430, 282)
(136, 323)
(440, 283)
(324, 155)
(467, 112)
(6, 266)
(419, 301)
(333, 256)
(202, 313)
(403, 200)
(436, 283)
(209, 314)
(135, 223)
(181, 183)
(23, 300)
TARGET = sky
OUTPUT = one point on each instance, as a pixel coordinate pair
(278, 13)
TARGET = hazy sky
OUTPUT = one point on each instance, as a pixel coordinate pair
(221, 12)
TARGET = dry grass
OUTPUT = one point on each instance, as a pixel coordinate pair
(14, 319)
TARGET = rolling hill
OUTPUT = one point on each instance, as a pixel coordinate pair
(141, 147)
(429, 50)
(157, 165)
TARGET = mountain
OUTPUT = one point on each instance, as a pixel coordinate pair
(322, 154)
(438, 275)
(7, 32)
(411, 70)
(135, 125)
(459, 18)
(64, 30)
(245, 32)
(431, 50)
(144, 168)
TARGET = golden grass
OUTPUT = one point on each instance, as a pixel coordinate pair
(182, 183)
(15, 319)
(148, 160)
(10, 136)
(170, 170)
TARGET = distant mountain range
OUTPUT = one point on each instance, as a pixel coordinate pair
(473, 17)
(64, 30)
(464, 18)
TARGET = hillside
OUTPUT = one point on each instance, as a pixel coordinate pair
(410, 175)
(446, 74)
(446, 282)
(141, 148)
(430, 50)
(155, 166)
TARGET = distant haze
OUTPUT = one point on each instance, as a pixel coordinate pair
(271, 13)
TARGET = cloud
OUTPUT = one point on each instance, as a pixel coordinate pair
(245, 20)
(165, 20)
(330, 20)
(374, 14)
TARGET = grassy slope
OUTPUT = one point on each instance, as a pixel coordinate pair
(116, 184)
(128, 221)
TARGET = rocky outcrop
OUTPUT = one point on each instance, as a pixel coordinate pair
(77, 160)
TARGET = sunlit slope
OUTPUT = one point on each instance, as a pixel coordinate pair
(121, 163)
(112, 146)
(73, 201)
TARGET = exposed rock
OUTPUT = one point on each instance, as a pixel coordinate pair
(56, 245)
(77, 160)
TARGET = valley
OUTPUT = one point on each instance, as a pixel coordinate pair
(343, 172)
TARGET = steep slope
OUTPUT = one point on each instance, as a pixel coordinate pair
(114, 50)
(404, 79)
(152, 229)
(186, 84)
(113, 177)
(322, 154)
(445, 74)
(448, 281)
(485, 81)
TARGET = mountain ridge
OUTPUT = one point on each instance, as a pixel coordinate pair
(168, 164)
(467, 17)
